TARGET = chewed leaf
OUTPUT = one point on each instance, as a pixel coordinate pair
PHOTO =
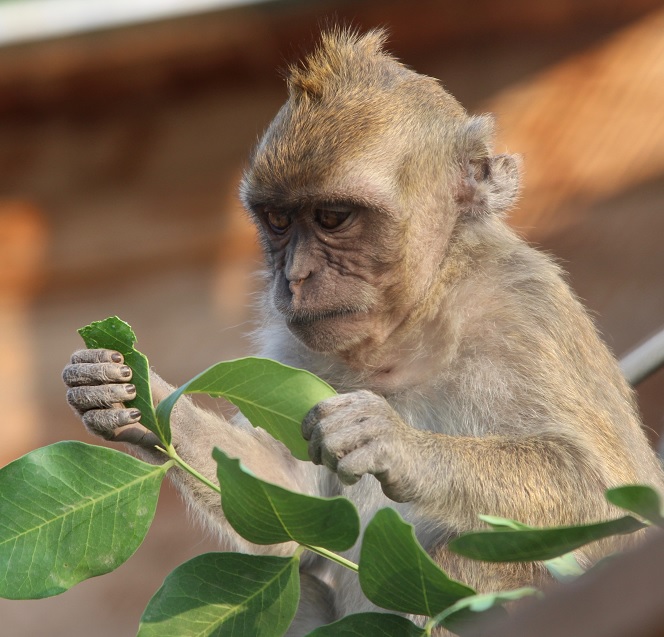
(113, 333)
(71, 511)
(273, 396)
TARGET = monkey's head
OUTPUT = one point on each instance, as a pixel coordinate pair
(358, 186)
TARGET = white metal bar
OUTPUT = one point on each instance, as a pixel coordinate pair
(34, 20)
(644, 359)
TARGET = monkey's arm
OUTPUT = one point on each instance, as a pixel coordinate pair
(543, 480)
(99, 383)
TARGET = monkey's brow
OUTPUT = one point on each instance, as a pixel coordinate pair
(365, 198)
(311, 201)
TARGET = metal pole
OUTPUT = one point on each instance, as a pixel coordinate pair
(645, 359)
(642, 361)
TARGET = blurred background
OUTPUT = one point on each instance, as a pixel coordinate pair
(124, 128)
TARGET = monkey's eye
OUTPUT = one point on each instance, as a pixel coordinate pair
(278, 221)
(332, 217)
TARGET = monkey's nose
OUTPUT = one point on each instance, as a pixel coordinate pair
(295, 285)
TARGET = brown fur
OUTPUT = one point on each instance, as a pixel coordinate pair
(489, 388)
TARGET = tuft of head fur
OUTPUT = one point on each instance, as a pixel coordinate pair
(344, 59)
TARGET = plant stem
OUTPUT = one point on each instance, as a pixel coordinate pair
(332, 556)
(170, 451)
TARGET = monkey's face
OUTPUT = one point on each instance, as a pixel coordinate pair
(332, 271)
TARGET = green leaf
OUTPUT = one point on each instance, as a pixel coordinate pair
(460, 614)
(496, 522)
(564, 568)
(273, 396)
(370, 625)
(71, 511)
(537, 544)
(639, 499)
(113, 333)
(397, 573)
(265, 513)
(230, 594)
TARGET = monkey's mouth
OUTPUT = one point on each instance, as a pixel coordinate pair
(307, 319)
(328, 330)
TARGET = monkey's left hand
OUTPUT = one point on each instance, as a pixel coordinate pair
(357, 433)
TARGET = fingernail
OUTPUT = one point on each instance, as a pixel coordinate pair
(130, 389)
(134, 414)
(116, 358)
(126, 371)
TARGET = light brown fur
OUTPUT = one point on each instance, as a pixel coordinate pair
(489, 390)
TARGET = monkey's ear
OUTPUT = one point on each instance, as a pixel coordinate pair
(489, 184)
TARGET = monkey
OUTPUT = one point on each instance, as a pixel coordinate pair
(470, 378)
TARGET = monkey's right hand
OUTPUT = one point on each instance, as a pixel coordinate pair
(98, 382)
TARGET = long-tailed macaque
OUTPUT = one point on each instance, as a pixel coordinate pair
(471, 379)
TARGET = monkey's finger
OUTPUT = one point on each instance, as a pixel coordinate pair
(366, 459)
(349, 479)
(309, 423)
(95, 374)
(94, 396)
(337, 445)
(136, 435)
(314, 447)
(104, 422)
(322, 410)
(96, 356)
